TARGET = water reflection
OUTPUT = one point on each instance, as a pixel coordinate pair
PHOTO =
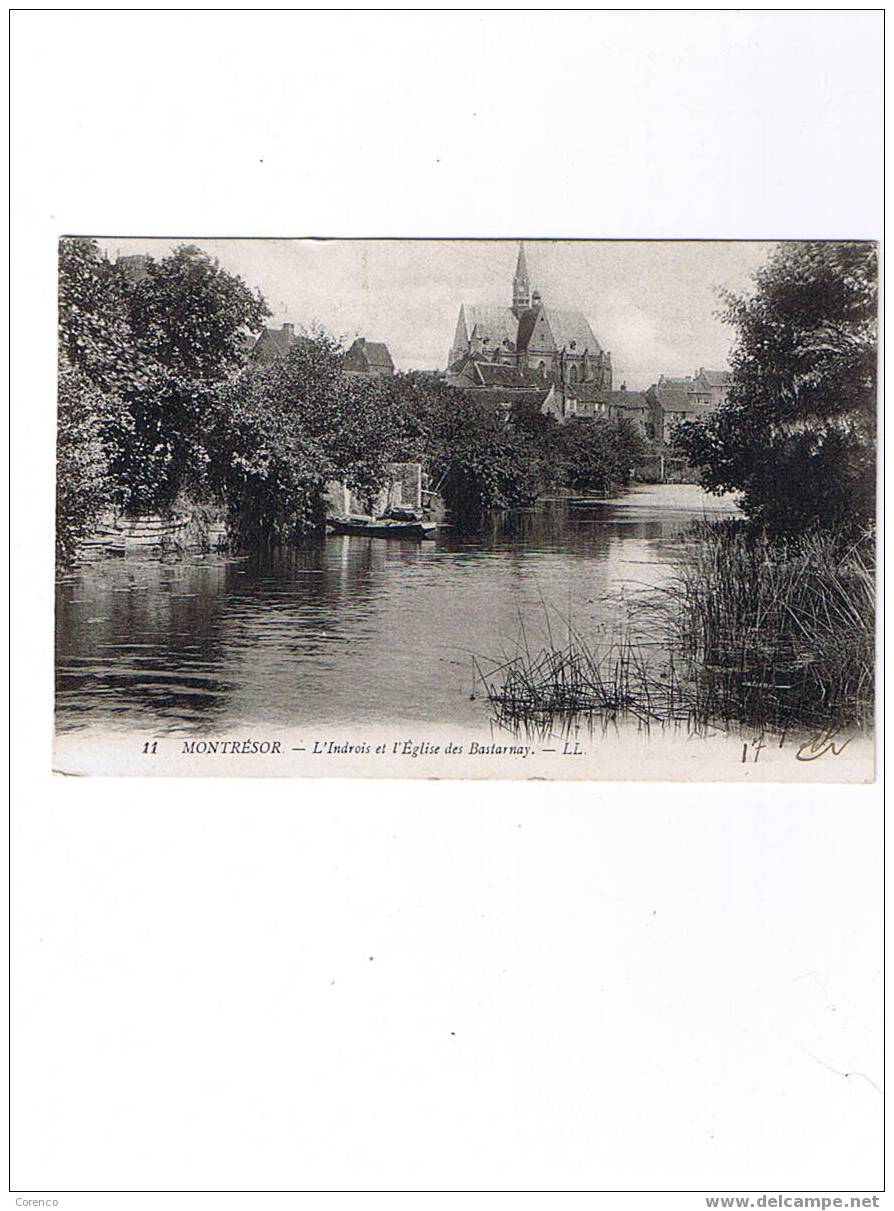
(347, 629)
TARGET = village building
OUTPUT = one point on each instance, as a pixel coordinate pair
(369, 358)
(273, 343)
(584, 401)
(541, 344)
(673, 400)
(716, 383)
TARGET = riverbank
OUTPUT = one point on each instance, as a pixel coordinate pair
(768, 634)
(348, 638)
(345, 629)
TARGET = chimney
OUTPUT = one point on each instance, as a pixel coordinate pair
(289, 330)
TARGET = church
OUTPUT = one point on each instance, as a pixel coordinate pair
(527, 343)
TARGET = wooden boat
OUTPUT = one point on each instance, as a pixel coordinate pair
(123, 535)
(588, 502)
(383, 527)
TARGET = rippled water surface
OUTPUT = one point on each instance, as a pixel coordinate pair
(348, 629)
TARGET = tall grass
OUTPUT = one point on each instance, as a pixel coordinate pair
(749, 630)
(776, 632)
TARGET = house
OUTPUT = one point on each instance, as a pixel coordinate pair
(369, 358)
(273, 343)
(586, 401)
(554, 346)
(677, 399)
(690, 386)
(472, 372)
(632, 406)
(672, 404)
(716, 383)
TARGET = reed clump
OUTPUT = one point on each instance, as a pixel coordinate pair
(775, 631)
(753, 630)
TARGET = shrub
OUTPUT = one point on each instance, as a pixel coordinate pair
(797, 434)
(83, 485)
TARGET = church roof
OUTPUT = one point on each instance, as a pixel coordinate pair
(526, 322)
(571, 328)
(497, 323)
(493, 374)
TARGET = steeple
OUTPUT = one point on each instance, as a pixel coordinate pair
(521, 287)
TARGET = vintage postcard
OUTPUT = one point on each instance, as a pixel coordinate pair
(473, 508)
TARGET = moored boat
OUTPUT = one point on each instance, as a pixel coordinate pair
(383, 527)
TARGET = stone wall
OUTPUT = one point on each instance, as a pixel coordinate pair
(403, 491)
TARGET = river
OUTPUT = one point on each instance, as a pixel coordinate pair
(346, 630)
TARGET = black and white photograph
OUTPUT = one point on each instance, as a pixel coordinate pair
(447, 608)
(520, 508)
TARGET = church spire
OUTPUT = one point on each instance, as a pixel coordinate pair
(521, 287)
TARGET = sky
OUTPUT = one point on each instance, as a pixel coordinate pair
(652, 304)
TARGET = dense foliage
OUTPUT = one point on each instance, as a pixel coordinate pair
(283, 430)
(477, 460)
(84, 487)
(499, 451)
(598, 455)
(155, 351)
(157, 400)
(797, 435)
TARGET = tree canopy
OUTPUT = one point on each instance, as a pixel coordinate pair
(797, 434)
(156, 351)
(283, 430)
(158, 398)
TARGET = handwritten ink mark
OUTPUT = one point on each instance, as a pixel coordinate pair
(822, 742)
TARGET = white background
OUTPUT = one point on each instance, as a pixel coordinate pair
(313, 986)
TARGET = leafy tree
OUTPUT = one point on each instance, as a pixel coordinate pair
(190, 316)
(161, 347)
(84, 487)
(467, 443)
(797, 434)
(95, 337)
(155, 443)
(284, 430)
(489, 468)
(597, 454)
